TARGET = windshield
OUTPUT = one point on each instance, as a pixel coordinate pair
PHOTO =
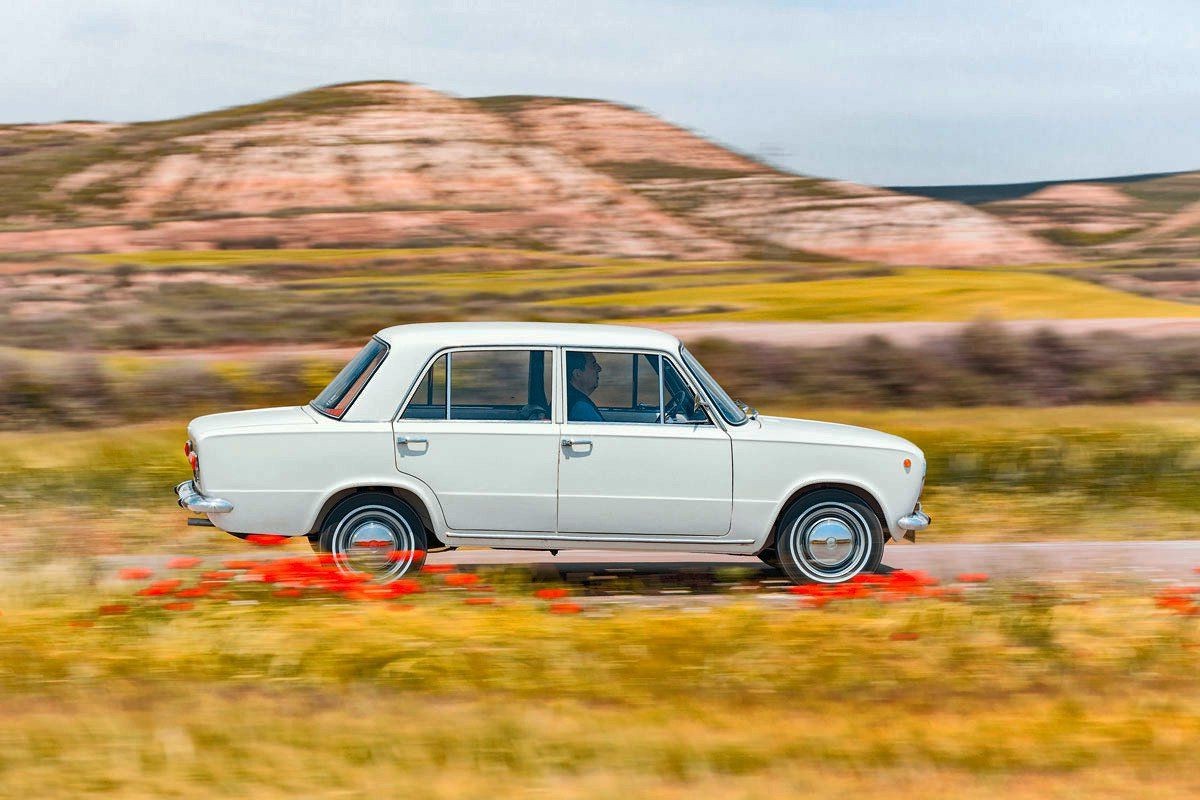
(730, 410)
(341, 391)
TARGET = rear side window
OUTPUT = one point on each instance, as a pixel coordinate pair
(485, 385)
(342, 390)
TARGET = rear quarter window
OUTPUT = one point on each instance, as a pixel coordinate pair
(341, 392)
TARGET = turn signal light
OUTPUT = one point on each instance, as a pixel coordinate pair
(187, 447)
(907, 464)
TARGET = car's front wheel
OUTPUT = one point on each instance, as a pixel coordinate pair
(374, 533)
(829, 536)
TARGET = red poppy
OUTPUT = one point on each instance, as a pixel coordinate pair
(550, 594)
(159, 588)
(195, 591)
(565, 608)
(266, 539)
(436, 569)
(179, 606)
(405, 555)
(904, 636)
(404, 586)
(972, 577)
(183, 562)
(236, 564)
(288, 593)
(114, 608)
(217, 575)
(461, 579)
(480, 601)
(134, 573)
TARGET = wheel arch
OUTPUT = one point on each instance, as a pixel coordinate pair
(410, 497)
(797, 494)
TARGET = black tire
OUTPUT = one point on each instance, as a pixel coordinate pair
(829, 536)
(365, 530)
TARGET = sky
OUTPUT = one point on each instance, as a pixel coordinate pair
(889, 93)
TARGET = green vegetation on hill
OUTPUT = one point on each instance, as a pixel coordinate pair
(32, 163)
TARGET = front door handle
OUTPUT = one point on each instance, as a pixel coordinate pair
(576, 442)
(403, 440)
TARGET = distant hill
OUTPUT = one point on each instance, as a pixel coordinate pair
(397, 164)
(974, 194)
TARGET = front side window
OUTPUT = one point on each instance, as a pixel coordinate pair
(336, 398)
(604, 386)
(485, 385)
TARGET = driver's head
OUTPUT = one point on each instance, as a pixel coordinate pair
(583, 371)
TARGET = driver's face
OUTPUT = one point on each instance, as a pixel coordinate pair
(588, 378)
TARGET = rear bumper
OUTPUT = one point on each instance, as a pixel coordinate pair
(191, 499)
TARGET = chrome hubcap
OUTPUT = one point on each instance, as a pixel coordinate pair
(831, 542)
(376, 540)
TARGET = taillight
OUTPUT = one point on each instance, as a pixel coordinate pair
(194, 460)
(187, 448)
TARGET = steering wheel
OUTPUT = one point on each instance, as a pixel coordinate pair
(680, 403)
(533, 411)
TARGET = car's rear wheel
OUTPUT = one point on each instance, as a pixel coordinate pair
(829, 536)
(376, 534)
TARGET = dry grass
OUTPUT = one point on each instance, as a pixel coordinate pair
(1013, 691)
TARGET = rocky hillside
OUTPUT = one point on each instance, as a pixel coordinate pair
(1157, 216)
(402, 165)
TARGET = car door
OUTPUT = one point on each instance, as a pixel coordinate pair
(478, 429)
(639, 469)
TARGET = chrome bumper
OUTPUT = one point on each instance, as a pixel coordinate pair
(191, 499)
(918, 520)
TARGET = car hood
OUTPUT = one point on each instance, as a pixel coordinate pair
(257, 418)
(808, 431)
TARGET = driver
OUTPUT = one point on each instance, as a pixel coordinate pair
(583, 376)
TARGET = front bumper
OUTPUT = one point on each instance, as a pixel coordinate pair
(191, 499)
(918, 520)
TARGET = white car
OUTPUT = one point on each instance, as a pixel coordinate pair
(549, 437)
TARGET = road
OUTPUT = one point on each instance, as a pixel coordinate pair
(1156, 561)
(1173, 560)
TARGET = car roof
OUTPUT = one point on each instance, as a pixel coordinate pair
(541, 334)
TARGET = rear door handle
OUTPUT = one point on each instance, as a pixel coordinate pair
(576, 442)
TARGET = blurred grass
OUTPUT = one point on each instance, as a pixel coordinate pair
(995, 474)
(912, 294)
(208, 298)
(1020, 691)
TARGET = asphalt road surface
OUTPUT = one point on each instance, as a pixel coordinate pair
(1171, 560)
(1164, 561)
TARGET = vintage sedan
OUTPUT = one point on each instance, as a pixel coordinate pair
(550, 437)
